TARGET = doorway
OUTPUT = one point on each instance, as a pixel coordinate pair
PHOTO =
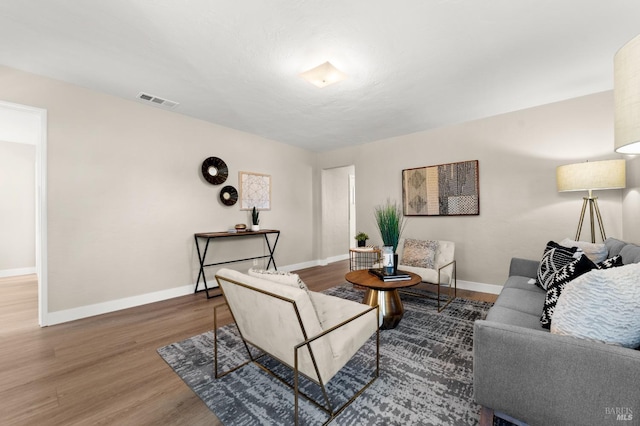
(338, 213)
(27, 125)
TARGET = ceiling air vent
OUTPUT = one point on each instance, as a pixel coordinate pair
(156, 100)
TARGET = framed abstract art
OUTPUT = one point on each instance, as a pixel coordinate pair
(443, 190)
(255, 191)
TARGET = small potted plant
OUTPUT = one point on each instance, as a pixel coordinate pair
(255, 219)
(362, 238)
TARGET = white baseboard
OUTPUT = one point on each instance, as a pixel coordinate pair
(479, 287)
(298, 266)
(333, 259)
(73, 314)
(319, 262)
(17, 272)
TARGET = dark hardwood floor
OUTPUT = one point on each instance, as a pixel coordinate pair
(105, 369)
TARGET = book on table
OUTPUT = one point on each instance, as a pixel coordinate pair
(385, 276)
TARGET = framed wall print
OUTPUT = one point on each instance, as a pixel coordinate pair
(255, 191)
(443, 190)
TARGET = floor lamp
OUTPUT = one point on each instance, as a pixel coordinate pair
(626, 94)
(591, 176)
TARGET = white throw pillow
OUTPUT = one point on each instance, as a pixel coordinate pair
(602, 305)
(595, 252)
(281, 277)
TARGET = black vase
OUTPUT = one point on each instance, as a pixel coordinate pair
(395, 263)
(361, 243)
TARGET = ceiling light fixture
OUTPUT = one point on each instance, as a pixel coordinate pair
(323, 75)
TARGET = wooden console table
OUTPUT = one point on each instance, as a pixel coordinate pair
(208, 236)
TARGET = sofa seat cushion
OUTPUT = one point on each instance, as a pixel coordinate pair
(504, 315)
(523, 283)
(520, 303)
(525, 301)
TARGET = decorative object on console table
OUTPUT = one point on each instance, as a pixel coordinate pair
(591, 176)
(390, 224)
(444, 190)
(255, 191)
(255, 219)
(626, 94)
(214, 170)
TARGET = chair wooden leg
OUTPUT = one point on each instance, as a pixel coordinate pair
(486, 416)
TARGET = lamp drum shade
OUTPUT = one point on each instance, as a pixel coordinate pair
(626, 93)
(591, 175)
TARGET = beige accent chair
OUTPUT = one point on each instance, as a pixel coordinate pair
(312, 333)
(443, 274)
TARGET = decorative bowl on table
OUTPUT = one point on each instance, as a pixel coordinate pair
(241, 227)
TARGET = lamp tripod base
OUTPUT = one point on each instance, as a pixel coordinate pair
(593, 207)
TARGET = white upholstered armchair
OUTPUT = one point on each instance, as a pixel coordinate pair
(312, 333)
(434, 261)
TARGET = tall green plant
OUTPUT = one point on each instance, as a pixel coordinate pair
(390, 223)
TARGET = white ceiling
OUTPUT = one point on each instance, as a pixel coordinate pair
(413, 64)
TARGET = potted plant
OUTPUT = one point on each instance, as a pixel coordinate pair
(390, 222)
(255, 219)
(362, 238)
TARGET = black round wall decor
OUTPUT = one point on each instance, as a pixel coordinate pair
(214, 170)
(228, 195)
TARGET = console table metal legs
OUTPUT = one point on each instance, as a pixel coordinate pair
(208, 236)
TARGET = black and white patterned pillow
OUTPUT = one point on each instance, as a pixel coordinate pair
(555, 257)
(563, 276)
(612, 262)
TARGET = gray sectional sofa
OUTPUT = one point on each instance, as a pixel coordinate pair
(524, 371)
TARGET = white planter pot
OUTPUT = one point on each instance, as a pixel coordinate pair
(255, 227)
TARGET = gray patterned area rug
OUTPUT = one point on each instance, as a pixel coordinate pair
(425, 373)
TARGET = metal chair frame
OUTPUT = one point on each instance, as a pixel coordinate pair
(327, 408)
(449, 299)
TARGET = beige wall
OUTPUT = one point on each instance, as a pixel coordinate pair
(631, 203)
(126, 195)
(520, 209)
(17, 206)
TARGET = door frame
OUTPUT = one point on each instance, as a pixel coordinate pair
(41, 205)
